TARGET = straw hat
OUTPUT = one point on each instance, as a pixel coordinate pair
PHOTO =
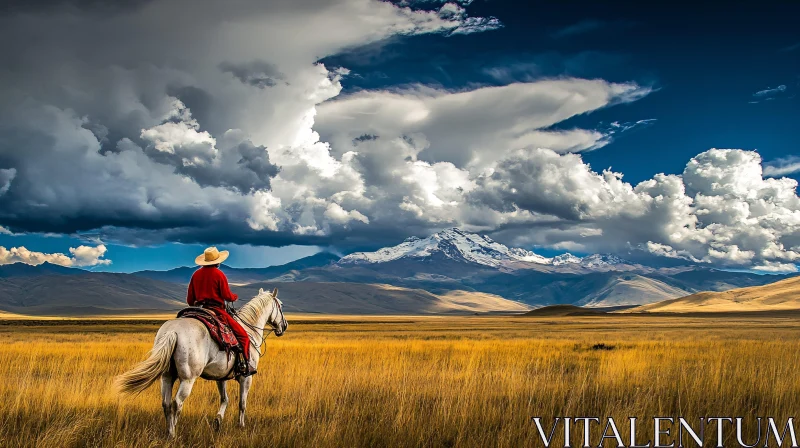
(211, 256)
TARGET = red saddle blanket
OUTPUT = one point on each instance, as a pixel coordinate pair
(220, 332)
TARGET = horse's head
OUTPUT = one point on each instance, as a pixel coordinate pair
(276, 318)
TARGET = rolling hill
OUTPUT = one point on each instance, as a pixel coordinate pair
(94, 294)
(89, 293)
(16, 270)
(561, 311)
(781, 295)
(367, 298)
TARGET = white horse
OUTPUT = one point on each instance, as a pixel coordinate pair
(183, 349)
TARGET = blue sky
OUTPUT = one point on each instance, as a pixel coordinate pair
(278, 85)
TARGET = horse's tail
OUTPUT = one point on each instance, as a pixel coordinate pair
(148, 371)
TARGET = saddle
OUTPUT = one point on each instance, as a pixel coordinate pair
(219, 330)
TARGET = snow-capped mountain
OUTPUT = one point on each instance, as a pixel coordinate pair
(566, 258)
(452, 243)
(597, 260)
(458, 245)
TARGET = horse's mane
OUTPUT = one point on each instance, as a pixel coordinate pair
(253, 308)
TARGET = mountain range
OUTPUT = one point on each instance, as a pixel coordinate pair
(449, 271)
(456, 260)
(469, 248)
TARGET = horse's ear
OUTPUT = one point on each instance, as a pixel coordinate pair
(275, 292)
(260, 291)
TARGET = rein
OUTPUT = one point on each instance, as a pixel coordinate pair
(265, 331)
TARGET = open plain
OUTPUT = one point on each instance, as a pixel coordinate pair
(407, 381)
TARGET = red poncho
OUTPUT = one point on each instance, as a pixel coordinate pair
(209, 284)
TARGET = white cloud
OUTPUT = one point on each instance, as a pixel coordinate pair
(721, 210)
(337, 214)
(776, 267)
(471, 128)
(768, 94)
(770, 91)
(782, 166)
(81, 256)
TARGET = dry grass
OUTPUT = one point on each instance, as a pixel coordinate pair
(453, 381)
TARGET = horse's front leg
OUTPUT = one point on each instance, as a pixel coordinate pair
(244, 388)
(223, 404)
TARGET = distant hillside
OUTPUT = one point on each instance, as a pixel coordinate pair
(26, 270)
(365, 298)
(561, 310)
(599, 288)
(716, 280)
(781, 295)
(121, 294)
(452, 266)
(630, 289)
(89, 293)
(243, 275)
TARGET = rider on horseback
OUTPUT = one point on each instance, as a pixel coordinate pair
(209, 288)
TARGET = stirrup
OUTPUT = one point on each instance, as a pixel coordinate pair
(242, 367)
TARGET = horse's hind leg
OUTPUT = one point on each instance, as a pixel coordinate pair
(184, 390)
(167, 381)
(223, 404)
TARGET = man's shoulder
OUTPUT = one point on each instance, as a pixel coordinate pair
(202, 271)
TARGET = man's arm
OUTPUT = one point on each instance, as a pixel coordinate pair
(191, 298)
(225, 290)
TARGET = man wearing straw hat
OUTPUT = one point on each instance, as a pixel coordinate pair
(209, 289)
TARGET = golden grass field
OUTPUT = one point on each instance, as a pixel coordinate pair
(415, 381)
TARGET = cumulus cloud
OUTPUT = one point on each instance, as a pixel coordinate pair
(770, 266)
(720, 210)
(79, 256)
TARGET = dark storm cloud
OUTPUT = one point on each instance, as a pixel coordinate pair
(83, 6)
(256, 73)
(255, 159)
(197, 100)
(140, 120)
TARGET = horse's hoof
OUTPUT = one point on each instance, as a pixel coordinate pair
(217, 423)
